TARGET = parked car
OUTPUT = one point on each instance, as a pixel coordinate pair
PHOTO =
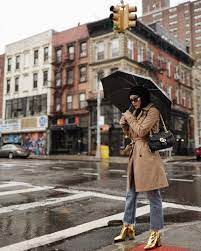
(198, 153)
(11, 151)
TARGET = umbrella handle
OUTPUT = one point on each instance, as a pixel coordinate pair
(130, 108)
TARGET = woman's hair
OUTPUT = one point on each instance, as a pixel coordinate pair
(143, 93)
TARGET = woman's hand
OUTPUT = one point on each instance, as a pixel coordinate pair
(126, 114)
(123, 121)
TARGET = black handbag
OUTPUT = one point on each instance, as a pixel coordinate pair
(161, 140)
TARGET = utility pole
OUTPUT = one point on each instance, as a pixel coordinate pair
(98, 135)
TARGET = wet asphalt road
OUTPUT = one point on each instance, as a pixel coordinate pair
(40, 197)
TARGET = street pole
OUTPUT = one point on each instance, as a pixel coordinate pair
(98, 136)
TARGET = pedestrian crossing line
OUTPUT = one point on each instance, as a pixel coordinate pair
(184, 180)
(179, 206)
(14, 183)
(26, 190)
(69, 232)
(43, 203)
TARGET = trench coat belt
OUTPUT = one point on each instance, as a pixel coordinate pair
(132, 144)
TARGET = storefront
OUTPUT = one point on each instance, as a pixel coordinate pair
(28, 132)
(69, 135)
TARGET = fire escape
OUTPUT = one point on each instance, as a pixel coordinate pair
(61, 65)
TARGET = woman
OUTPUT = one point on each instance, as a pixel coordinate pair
(145, 168)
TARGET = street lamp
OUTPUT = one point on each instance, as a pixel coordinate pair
(98, 135)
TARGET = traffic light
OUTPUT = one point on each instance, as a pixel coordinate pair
(117, 18)
(130, 18)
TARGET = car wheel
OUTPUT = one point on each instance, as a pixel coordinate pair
(10, 155)
(198, 158)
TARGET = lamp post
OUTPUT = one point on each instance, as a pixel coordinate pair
(98, 136)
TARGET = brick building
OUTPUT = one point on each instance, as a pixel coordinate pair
(183, 20)
(144, 52)
(69, 116)
(1, 82)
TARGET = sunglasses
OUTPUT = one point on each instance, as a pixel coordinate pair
(134, 99)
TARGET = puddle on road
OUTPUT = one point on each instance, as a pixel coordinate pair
(18, 199)
(186, 193)
(23, 225)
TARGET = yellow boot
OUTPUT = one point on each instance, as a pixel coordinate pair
(126, 231)
(154, 240)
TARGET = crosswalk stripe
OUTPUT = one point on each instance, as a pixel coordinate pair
(26, 190)
(12, 184)
(69, 232)
(43, 203)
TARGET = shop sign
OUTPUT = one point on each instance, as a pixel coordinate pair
(42, 122)
(29, 123)
(12, 125)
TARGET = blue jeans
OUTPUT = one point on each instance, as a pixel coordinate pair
(156, 209)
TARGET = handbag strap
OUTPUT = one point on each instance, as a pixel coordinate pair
(164, 126)
(163, 123)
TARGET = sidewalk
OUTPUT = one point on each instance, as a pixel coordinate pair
(118, 160)
(176, 237)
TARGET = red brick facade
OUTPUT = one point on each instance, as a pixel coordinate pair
(183, 21)
(1, 82)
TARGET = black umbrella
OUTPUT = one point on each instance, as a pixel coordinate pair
(117, 86)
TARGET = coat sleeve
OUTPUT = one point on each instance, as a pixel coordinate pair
(125, 126)
(143, 128)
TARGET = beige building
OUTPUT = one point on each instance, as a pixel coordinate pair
(108, 53)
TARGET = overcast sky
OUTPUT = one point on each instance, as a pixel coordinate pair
(22, 18)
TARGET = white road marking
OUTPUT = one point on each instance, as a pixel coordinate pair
(196, 175)
(182, 180)
(13, 183)
(117, 171)
(73, 231)
(93, 174)
(43, 203)
(26, 190)
(179, 206)
(124, 176)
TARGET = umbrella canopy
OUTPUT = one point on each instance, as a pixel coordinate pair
(117, 86)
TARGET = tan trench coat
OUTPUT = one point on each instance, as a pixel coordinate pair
(145, 168)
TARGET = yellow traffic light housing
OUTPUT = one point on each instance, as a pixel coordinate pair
(130, 18)
(117, 18)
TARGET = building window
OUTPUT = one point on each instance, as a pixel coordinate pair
(58, 55)
(71, 52)
(83, 103)
(17, 63)
(198, 31)
(46, 50)
(140, 54)
(172, 16)
(69, 102)
(45, 78)
(70, 77)
(114, 69)
(83, 49)
(8, 86)
(172, 9)
(169, 69)
(58, 104)
(26, 59)
(83, 74)
(130, 49)
(58, 79)
(35, 80)
(115, 47)
(36, 57)
(98, 84)
(169, 92)
(9, 64)
(100, 51)
(197, 17)
(17, 84)
(173, 22)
